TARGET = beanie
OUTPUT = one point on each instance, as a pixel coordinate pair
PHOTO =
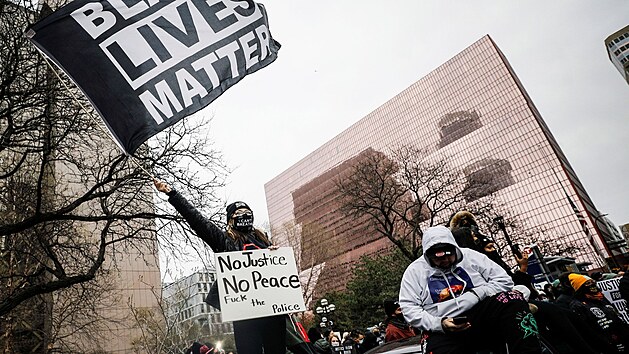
(390, 307)
(577, 280)
(462, 218)
(231, 208)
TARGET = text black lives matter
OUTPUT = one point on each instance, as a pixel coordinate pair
(181, 52)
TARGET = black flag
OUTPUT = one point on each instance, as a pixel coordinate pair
(145, 64)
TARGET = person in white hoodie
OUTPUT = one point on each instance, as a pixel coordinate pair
(449, 282)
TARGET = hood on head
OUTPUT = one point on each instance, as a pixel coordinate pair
(462, 218)
(439, 235)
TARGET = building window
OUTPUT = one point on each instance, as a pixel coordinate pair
(485, 177)
(454, 126)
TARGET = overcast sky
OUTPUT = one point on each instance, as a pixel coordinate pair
(342, 59)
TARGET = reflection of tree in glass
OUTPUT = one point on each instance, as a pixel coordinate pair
(454, 126)
(487, 176)
(403, 193)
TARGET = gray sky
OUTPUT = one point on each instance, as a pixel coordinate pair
(342, 59)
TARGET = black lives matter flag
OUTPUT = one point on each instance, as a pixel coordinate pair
(145, 64)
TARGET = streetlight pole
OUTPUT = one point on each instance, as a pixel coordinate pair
(326, 309)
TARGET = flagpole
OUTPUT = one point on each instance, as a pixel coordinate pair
(91, 115)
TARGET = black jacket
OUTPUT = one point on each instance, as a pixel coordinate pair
(211, 234)
(205, 229)
(602, 316)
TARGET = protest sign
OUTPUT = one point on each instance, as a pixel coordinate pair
(258, 283)
(145, 65)
(344, 349)
(609, 288)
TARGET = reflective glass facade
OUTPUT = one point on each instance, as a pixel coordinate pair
(472, 109)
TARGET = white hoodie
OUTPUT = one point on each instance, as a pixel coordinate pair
(428, 294)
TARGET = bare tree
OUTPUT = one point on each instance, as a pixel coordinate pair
(403, 193)
(72, 204)
(309, 264)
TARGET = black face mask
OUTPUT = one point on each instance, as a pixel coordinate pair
(243, 222)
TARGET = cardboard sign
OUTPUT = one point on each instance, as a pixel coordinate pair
(610, 289)
(258, 283)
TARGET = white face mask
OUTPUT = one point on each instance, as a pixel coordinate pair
(335, 343)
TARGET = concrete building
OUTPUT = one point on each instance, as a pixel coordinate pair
(474, 111)
(617, 45)
(186, 307)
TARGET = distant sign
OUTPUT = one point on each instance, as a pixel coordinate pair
(610, 291)
(344, 349)
(535, 267)
(258, 283)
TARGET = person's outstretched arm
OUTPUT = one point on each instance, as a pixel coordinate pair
(203, 227)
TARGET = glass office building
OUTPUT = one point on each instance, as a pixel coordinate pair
(472, 109)
(617, 45)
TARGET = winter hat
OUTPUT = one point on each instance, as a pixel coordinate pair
(441, 250)
(231, 208)
(577, 280)
(462, 219)
(390, 307)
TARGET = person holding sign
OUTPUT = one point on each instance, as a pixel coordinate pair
(253, 336)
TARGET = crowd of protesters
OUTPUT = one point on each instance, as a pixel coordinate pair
(461, 296)
(571, 312)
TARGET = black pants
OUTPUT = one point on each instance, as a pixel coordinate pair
(502, 318)
(267, 332)
(565, 329)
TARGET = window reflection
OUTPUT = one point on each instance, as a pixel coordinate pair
(485, 177)
(454, 126)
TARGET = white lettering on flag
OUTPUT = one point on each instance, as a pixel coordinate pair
(149, 47)
(145, 64)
